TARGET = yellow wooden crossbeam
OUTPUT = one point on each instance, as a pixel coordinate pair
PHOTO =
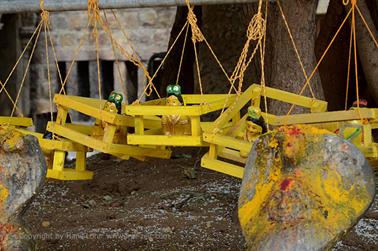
(323, 117)
(101, 146)
(235, 108)
(291, 98)
(16, 121)
(222, 167)
(233, 155)
(208, 98)
(93, 108)
(227, 141)
(165, 140)
(52, 145)
(195, 110)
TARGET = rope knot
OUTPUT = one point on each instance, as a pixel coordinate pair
(93, 11)
(45, 15)
(197, 35)
(256, 27)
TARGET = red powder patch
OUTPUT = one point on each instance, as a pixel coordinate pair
(295, 131)
(286, 184)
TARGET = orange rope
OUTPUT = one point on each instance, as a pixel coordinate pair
(348, 73)
(321, 58)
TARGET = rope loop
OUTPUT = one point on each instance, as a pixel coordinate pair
(345, 2)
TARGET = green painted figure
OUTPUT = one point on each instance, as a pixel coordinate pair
(117, 99)
(174, 90)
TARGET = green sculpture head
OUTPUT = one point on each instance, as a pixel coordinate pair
(254, 112)
(117, 99)
(174, 90)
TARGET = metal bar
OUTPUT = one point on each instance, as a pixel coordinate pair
(17, 6)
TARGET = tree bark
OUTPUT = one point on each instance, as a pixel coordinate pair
(367, 50)
(225, 28)
(171, 67)
(333, 70)
(286, 73)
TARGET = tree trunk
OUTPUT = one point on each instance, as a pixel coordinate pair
(286, 73)
(367, 50)
(171, 67)
(225, 28)
(333, 70)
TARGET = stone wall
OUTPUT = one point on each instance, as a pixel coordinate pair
(148, 30)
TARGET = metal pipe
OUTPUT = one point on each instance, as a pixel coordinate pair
(17, 6)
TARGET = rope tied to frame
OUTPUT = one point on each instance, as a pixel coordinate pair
(197, 35)
(255, 32)
(94, 20)
(45, 15)
(94, 15)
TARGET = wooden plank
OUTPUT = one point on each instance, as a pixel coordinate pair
(163, 140)
(232, 155)
(198, 99)
(16, 121)
(222, 167)
(322, 117)
(227, 141)
(101, 146)
(240, 102)
(295, 99)
(162, 110)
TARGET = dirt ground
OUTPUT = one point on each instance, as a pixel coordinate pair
(153, 205)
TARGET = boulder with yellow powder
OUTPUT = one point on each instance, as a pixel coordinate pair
(302, 189)
(23, 170)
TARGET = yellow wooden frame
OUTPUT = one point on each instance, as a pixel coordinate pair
(82, 134)
(55, 152)
(194, 107)
(224, 152)
(16, 121)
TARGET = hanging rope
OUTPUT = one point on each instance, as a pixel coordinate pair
(3, 85)
(123, 81)
(321, 59)
(46, 22)
(134, 58)
(94, 18)
(262, 60)
(182, 55)
(348, 71)
(255, 31)
(26, 70)
(295, 47)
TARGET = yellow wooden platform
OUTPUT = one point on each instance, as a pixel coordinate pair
(194, 107)
(16, 121)
(56, 151)
(113, 123)
(226, 147)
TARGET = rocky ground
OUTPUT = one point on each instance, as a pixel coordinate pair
(153, 205)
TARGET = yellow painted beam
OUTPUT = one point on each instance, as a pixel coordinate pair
(52, 145)
(227, 141)
(69, 174)
(232, 155)
(16, 121)
(162, 110)
(163, 140)
(295, 99)
(198, 99)
(322, 117)
(101, 146)
(235, 108)
(222, 167)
